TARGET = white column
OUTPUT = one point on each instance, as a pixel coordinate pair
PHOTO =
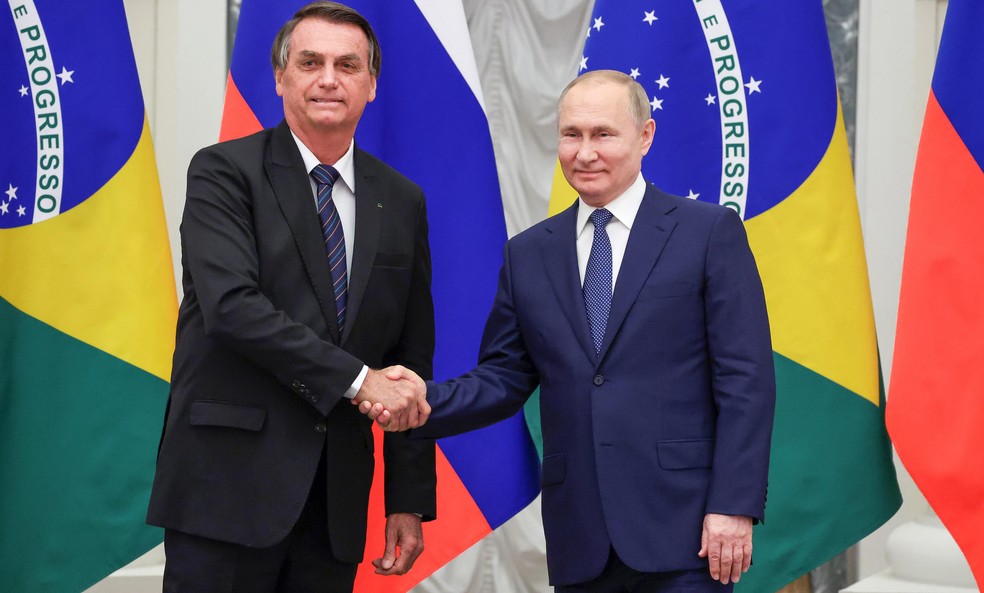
(189, 83)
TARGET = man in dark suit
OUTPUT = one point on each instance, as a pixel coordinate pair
(642, 318)
(306, 262)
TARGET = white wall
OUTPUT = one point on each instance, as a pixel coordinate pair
(180, 47)
(897, 49)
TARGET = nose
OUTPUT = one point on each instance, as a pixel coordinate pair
(327, 77)
(586, 152)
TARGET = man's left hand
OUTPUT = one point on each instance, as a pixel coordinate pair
(404, 543)
(726, 542)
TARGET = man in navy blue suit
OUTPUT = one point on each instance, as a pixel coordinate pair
(642, 318)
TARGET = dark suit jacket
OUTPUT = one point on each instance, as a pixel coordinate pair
(671, 421)
(259, 366)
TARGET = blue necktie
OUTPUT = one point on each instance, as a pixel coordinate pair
(597, 287)
(331, 229)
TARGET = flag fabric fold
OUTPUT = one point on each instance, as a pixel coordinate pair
(935, 410)
(87, 299)
(747, 116)
(428, 122)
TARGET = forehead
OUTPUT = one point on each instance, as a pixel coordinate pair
(593, 102)
(320, 36)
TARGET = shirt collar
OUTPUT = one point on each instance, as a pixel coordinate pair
(624, 207)
(345, 165)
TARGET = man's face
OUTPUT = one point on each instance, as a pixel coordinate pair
(326, 82)
(601, 146)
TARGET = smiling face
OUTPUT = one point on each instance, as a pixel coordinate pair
(325, 83)
(601, 144)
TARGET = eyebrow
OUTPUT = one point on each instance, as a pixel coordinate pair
(593, 129)
(349, 57)
(307, 53)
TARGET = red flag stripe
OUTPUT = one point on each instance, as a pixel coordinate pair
(935, 408)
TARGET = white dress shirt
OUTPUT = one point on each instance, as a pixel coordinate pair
(343, 194)
(624, 209)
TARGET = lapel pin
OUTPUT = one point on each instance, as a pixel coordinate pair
(379, 204)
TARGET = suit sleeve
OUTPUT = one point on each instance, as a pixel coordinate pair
(411, 477)
(742, 372)
(501, 383)
(219, 239)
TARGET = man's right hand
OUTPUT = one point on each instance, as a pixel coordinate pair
(395, 397)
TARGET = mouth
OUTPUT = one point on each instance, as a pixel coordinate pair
(321, 101)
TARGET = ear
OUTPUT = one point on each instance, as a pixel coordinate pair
(277, 76)
(372, 88)
(648, 131)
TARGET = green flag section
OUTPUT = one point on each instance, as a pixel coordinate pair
(73, 501)
(831, 479)
(87, 299)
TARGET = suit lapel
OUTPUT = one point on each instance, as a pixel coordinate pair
(287, 175)
(560, 261)
(650, 231)
(368, 221)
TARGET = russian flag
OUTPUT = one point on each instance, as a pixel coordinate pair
(429, 123)
(936, 410)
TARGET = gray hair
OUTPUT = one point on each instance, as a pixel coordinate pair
(638, 100)
(332, 12)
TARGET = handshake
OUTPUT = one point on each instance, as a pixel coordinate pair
(395, 397)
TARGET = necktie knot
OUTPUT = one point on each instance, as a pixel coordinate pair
(325, 175)
(600, 217)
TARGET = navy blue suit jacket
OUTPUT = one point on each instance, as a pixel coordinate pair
(671, 421)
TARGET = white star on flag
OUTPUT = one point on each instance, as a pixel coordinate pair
(23, 91)
(711, 99)
(598, 24)
(11, 191)
(3, 207)
(21, 211)
(753, 85)
(634, 74)
(662, 81)
(656, 103)
(584, 63)
(692, 195)
(65, 75)
(650, 17)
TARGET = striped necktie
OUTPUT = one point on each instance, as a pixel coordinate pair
(331, 229)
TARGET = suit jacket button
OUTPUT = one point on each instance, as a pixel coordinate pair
(320, 427)
(295, 385)
(598, 380)
(314, 398)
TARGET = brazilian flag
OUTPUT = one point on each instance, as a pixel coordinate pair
(87, 298)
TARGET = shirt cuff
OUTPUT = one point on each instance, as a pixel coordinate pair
(357, 384)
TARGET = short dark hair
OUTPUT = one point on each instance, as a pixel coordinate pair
(332, 12)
